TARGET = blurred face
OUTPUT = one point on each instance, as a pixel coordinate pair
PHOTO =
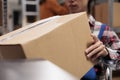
(76, 6)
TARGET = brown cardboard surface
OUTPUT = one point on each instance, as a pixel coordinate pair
(62, 40)
(102, 13)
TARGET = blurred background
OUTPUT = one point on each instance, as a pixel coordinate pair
(19, 13)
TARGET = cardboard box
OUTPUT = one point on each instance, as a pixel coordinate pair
(102, 13)
(61, 40)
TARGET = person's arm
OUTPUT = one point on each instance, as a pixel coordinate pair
(57, 8)
(96, 49)
(108, 47)
(112, 43)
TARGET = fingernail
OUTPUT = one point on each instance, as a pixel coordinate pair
(86, 51)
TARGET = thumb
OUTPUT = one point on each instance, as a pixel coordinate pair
(94, 38)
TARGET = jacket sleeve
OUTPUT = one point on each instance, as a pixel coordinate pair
(57, 8)
(112, 43)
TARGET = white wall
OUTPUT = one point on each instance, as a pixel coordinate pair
(12, 5)
(13, 1)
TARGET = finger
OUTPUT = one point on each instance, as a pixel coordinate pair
(96, 51)
(97, 56)
(94, 46)
(94, 37)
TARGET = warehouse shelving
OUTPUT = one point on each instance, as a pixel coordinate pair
(110, 14)
(30, 11)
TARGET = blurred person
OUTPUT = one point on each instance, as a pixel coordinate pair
(49, 8)
(106, 44)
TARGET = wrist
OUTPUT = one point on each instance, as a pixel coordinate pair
(107, 56)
